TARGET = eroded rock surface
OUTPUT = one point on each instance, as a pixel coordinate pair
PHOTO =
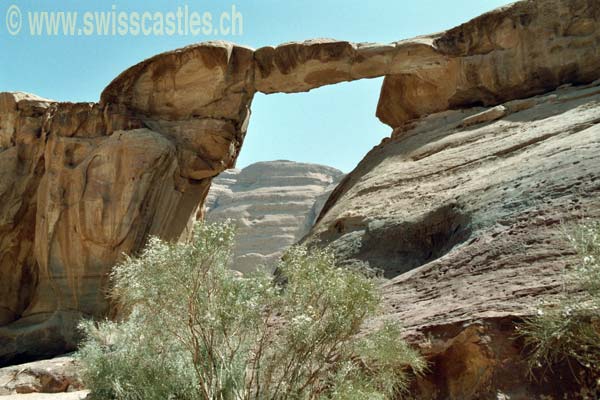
(83, 183)
(465, 221)
(87, 183)
(516, 51)
(79, 395)
(56, 375)
(274, 204)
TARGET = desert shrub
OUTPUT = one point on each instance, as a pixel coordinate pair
(569, 331)
(194, 330)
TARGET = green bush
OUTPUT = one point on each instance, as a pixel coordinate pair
(569, 331)
(195, 330)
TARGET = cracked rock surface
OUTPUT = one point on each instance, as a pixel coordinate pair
(458, 207)
(465, 220)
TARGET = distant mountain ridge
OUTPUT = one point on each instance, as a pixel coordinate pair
(274, 204)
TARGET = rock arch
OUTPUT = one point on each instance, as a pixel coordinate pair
(83, 183)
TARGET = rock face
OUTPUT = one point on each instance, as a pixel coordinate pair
(462, 213)
(88, 182)
(520, 50)
(83, 183)
(274, 205)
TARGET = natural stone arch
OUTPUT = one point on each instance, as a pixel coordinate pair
(190, 108)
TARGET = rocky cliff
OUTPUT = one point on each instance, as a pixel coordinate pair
(458, 207)
(274, 204)
(462, 212)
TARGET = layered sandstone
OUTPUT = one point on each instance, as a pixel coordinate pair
(83, 183)
(273, 204)
(89, 184)
(516, 51)
(463, 214)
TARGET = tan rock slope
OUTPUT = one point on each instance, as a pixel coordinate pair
(83, 183)
(274, 204)
(465, 221)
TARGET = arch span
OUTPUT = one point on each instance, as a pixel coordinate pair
(140, 161)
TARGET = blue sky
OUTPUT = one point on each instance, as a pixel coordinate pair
(333, 125)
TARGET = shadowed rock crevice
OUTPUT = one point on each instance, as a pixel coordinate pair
(391, 248)
(400, 248)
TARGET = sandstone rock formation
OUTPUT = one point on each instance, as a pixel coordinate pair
(516, 51)
(274, 204)
(465, 219)
(56, 375)
(80, 395)
(83, 183)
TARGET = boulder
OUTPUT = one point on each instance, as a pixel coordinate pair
(79, 395)
(56, 375)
